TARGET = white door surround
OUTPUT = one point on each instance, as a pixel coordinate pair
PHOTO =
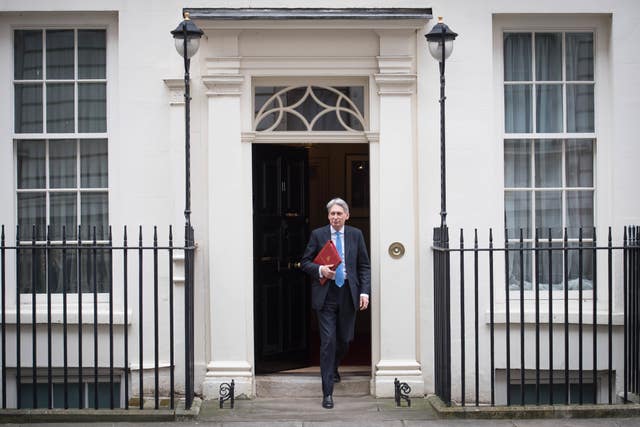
(380, 55)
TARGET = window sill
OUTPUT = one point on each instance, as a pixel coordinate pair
(602, 317)
(72, 314)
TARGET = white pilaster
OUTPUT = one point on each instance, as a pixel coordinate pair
(230, 264)
(177, 153)
(398, 354)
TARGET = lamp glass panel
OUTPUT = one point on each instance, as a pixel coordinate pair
(192, 45)
(435, 49)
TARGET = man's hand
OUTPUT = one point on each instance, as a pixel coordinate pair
(326, 271)
(364, 302)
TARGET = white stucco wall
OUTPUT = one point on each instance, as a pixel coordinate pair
(146, 158)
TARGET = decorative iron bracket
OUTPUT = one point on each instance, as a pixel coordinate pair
(402, 392)
(227, 392)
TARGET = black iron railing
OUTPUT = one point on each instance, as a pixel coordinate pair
(557, 300)
(57, 295)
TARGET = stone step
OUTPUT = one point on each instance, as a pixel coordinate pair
(310, 385)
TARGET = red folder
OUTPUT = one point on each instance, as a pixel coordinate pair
(328, 255)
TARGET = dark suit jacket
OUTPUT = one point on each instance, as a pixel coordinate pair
(357, 263)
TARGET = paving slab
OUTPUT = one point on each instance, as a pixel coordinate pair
(364, 410)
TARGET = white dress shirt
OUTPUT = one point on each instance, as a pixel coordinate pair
(343, 256)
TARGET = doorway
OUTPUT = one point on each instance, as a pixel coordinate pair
(291, 186)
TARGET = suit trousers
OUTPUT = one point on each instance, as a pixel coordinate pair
(336, 323)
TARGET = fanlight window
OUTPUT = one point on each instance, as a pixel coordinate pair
(309, 108)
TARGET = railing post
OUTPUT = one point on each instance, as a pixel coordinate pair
(442, 318)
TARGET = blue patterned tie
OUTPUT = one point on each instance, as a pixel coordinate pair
(340, 271)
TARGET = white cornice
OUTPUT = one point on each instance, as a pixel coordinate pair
(330, 65)
(396, 84)
(402, 64)
(176, 91)
(223, 65)
(223, 85)
(310, 137)
(401, 24)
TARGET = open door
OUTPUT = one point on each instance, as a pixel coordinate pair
(280, 232)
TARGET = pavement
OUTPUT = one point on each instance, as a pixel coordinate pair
(348, 411)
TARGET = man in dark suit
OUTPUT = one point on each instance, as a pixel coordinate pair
(346, 291)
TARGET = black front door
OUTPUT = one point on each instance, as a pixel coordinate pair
(280, 232)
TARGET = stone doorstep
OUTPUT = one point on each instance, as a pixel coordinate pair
(532, 411)
(133, 414)
(275, 386)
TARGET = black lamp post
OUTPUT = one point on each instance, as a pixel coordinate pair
(440, 42)
(187, 39)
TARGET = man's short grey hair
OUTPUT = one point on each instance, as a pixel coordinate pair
(338, 201)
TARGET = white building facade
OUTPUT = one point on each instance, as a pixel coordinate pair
(541, 121)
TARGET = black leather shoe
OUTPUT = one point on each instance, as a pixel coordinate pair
(336, 377)
(327, 402)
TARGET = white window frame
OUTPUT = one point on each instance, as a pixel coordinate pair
(55, 20)
(599, 25)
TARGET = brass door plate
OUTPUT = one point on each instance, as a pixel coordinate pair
(396, 250)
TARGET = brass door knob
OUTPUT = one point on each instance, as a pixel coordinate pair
(396, 250)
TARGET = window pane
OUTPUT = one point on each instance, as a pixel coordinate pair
(579, 56)
(517, 163)
(577, 271)
(31, 164)
(517, 212)
(73, 395)
(98, 261)
(92, 54)
(549, 211)
(555, 269)
(330, 121)
(92, 107)
(579, 163)
(104, 395)
(548, 56)
(549, 108)
(580, 213)
(94, 163)
(580, 107)
(27, 54)
(60, 118)
(311, 107)
(94, 213)
(62, 163)
(31, 211)
(517, 108)
(517, 57)
(60, 278)
(59, 54)
(27, 277)
(515, 271)
(28, 108)
(63, 211)
(548, 157)
(26, 395)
